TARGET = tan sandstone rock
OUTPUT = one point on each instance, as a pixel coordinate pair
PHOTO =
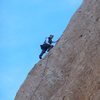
(71, 70)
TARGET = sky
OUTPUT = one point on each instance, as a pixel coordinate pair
(24, 24)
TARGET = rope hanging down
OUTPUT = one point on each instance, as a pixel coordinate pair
(41, 79)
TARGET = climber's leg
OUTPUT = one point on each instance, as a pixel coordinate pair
(40, 56)
(50, 48)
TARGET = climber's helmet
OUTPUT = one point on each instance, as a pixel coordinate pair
(51, 36)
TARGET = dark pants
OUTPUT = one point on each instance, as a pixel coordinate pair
(45, 47)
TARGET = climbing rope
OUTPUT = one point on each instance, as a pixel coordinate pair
(41, 79)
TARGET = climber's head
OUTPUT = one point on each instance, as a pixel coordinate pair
(51, 36)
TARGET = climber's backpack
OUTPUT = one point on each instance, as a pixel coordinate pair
(43, 45)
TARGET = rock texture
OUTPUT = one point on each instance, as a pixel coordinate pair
(71, 70)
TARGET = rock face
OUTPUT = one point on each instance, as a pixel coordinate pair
(71, 70)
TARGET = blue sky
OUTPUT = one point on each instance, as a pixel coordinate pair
(24, 24)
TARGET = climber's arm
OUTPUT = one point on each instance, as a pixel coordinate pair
(55, 41)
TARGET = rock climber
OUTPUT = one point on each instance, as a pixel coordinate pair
(47, 45)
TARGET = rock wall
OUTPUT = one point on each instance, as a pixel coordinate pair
(71, 70)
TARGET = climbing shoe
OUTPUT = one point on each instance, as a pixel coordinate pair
(40, 57)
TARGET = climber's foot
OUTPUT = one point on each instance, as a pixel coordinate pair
(40, 57)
